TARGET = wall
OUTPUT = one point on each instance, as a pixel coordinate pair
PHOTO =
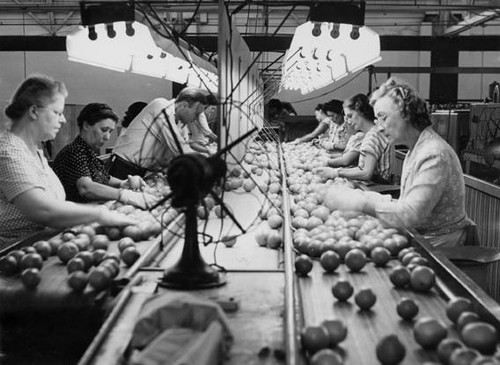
(475, 86)
(85, 83)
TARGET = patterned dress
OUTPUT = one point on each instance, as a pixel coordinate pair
(377, 144)
(432, 198)
(77, 160)
(21, 171)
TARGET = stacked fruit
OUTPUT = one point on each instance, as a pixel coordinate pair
(84, 249)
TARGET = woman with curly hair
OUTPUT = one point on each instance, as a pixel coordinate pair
(374, 149)
(432, 198)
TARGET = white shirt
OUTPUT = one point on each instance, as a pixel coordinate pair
(200, 130)
(148, 141)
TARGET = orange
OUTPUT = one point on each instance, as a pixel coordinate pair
(8, 265)
(400, 276)
(422, 278)
(401, 241)
(98, 256)
(113, 233)
(365, 299)
(404, 251)
(17, 254)
(130, 256)
(355, 260)
(125, 243)
(329, 261)
(337, 330)
(314, 338)
(135, 232)
(31, 278)
(407, 309)
(390, 350)
(446, 348)
(274, 221)
(342, 290)
(463, 356)
(326, 357)
(457, 306)
(78, 281)
(405, 260)
(75, 264)
(480, 336)
(380, 256)
(88, 230)
(100, 242)
(303, 265)
(230, 241)
(428, 332)
(99, 279)
(87, 258)
(31, 260)
(465, 318)
(202, 212)
(43, 248)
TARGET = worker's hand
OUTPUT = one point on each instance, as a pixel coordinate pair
(111, 218)
(294, 142)
(344, 198)
(133, 182)
(138, 199)
(326, 173)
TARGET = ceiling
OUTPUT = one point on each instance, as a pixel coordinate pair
(264, 23)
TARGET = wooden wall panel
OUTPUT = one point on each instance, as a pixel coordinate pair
(484, 209)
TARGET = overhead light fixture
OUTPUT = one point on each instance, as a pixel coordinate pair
(129, 29)
(316, 30)
(355, 32)
(92, 33)
(322, 60)
(110, 38)
(335, 31)
(110, 30)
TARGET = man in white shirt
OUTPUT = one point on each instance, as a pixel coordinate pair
(201, 137)
(153, 138)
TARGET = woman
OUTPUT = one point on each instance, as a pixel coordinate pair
(322, 128)
(432, 199)
(83, 174)
(375, 150)
(350, 154)
(31, 195)
(132, 111)
(200, 136)
(337, 135)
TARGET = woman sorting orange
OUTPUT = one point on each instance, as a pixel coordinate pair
(31, 195)
(374, 150)
(84, 175)
(432, 198)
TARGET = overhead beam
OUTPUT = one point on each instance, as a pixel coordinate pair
(281, 43)
(472, 22)
(268, 44)
(386, 6)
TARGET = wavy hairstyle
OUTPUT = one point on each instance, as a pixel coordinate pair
(412, 106)
(95, 112)
(37, 90)
(361, 104)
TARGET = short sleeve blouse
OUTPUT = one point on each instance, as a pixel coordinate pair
(77, 160)
(377, 144)
(21, 171)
